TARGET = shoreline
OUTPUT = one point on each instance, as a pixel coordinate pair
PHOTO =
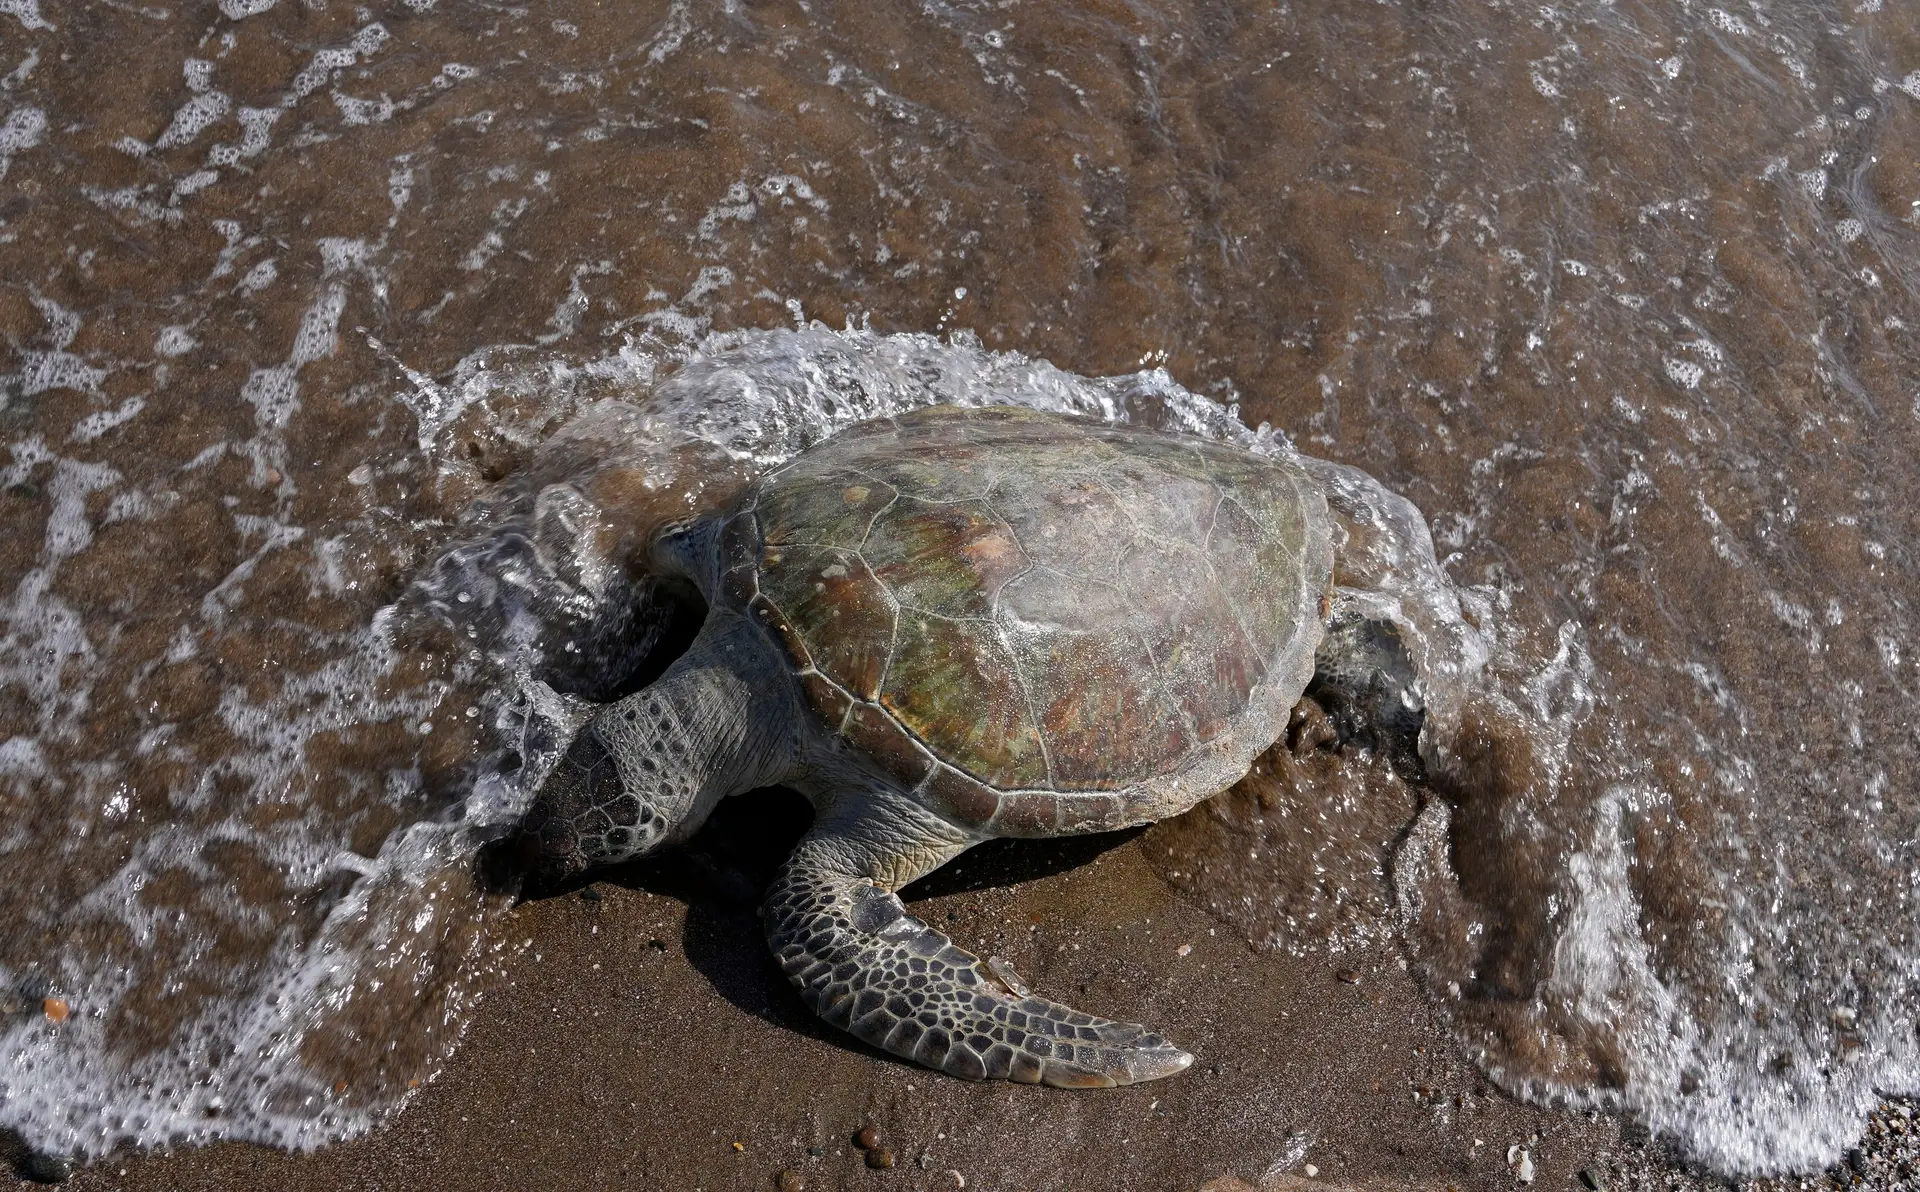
(639, 1036)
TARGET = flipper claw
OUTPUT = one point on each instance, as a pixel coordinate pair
(1007, 977)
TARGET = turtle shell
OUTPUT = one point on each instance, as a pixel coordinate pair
(1038, 623)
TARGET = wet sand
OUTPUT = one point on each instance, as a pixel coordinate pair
(634, 1033)
(641, 1037)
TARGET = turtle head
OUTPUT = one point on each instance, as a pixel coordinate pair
(647, 770)
(588, 815)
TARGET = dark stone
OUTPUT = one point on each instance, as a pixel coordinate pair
(42, 1168)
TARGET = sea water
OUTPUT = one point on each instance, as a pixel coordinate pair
(352, 351)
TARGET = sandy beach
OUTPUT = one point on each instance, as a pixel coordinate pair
(640, 1037)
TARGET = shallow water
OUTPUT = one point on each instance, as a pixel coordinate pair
(1620, 295)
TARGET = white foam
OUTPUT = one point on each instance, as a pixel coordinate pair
(256, 134)
(194, 117)
(258, 278)
(673, 32)
(1684, 373)
(22, 131)
(27, 12)
(100, 422)
(174, 340)
(1728, 23)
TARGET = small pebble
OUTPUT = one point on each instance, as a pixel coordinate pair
(56, 1009)
(816, 1151)
(1348, 976)
(1311, 1171)
(1183, 950)
(590, 894)
(879, 1158)
(867, 1139)
(739, 1147)
(1590, 1180)
(789, 1181)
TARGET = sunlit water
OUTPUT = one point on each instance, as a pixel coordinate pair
(348, 363)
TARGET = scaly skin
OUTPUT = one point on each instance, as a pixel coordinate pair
(868, 967)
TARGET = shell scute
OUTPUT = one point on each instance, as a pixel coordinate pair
(964, 800)
(954, 684)
(830, 600)
(763, 611)
(876, 734)
(1030, 813)
(1164, 505)
(1204, 659)
(1248, 567)
(1092, 813)
(1102, 707)
(829, 702)
(1070, 524)
(829, 507)
(950, 559)
(947, 470)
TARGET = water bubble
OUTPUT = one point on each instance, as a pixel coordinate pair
(1684, 373)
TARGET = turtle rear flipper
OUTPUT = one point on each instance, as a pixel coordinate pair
(868, 967)
(1365, 679)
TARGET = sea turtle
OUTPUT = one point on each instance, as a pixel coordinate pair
(950, 626)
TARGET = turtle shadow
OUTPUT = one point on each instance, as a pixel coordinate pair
(721, 875)
(1010, 862)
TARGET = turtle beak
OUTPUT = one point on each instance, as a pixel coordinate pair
(585, 817)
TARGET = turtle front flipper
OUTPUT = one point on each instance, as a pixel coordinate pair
(868, 967)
